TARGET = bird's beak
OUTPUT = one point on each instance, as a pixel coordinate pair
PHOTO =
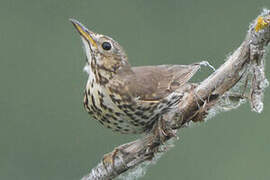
(84, 32)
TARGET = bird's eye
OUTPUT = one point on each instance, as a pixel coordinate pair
(106, 46)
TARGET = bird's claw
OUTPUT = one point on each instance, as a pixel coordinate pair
(162, 133)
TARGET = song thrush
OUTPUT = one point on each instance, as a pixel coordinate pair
(124, 98)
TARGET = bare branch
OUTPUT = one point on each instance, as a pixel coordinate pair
(198, 101)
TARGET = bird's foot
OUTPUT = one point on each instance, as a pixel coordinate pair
(162, 133)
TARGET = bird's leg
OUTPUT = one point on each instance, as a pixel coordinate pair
(197, 116)
(161, 132)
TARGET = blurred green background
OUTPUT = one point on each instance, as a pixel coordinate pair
(44, 131)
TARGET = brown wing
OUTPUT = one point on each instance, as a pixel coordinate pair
(156, 82)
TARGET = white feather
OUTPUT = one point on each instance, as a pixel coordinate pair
(89, 58)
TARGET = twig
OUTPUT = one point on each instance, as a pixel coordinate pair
(197, 100)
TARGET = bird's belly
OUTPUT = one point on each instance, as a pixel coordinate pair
(128, 117)
(113, 113)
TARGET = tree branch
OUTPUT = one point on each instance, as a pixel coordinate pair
(243, 69)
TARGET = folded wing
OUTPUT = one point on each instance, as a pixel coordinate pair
(152, 83)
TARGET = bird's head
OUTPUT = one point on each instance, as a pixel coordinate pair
(104, 55)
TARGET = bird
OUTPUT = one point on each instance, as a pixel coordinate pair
(123, 98)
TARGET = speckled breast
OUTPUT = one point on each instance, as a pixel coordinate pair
(123, 114)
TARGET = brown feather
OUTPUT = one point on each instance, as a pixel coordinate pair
(151, 83)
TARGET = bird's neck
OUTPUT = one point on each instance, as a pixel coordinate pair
(102, 71)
